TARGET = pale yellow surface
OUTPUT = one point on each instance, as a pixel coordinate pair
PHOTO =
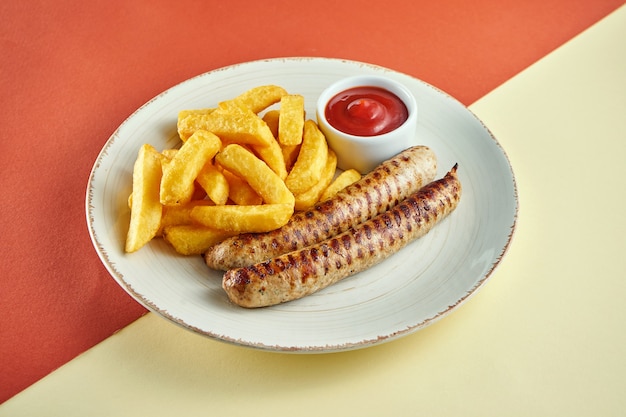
(544, 337)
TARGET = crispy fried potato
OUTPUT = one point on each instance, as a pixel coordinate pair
(192, 239)
(291, 119)
(259, 98)
(168, 154)
(213, 183)
(177, 184)
(344, 179)
(261, 178)
(179, 215)
(231, 122)
(307, 170)
(184, 113)
(243, 219)
(146, 209)
(271, 120)
(240, 192)
(272, 155)
(290, 155)
(311, 196)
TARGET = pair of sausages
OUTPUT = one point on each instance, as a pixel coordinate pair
(362, 225)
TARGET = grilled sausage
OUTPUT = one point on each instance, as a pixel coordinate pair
(305, 271)
(378, 191)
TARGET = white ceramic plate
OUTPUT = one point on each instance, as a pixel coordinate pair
(415, 287)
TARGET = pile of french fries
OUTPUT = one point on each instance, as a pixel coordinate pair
(244, 166)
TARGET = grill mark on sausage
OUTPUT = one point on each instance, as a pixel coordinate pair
(377, 192)
(350, 252)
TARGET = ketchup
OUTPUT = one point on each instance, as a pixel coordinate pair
(366, 111)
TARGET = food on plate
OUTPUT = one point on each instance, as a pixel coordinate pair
(232, 121)
(229, 175)
(145, 205)
(180, 173)
(307, 199)
(305, 271)
(384, 187)
(307, 169)
(214, 183)
(191, 239)
(243, 219)
(344, 179)
(259, 98)
(262, 179)
(291, 119)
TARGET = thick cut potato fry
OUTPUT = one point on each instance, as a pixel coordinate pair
(261, 178)
(184, 113)
(272, 155)
(271, 120)
(179, 215)
(193, 239)
(307, 170)
(344, 179)
(240, 192)
(311, 196)
(243, 219)
(291, 120)
(146, 210)
(177, 184)
(259, 98)
(231, 122)
(214, 183)
(290, 155)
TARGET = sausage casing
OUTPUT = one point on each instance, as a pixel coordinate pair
(384, 187)
(305, 271)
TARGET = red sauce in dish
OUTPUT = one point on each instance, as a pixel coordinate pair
(366, 111)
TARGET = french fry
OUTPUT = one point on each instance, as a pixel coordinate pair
(146, 210)
(177, 184)
(311, 196)
(255, 172)
(231, 121)
(214, 183)
(272, 155)
(291, 119)
(243, 219)
(307, 170)
(240, 192)
(259, 98)
(179, 215)
(271, 120)
(344, 179)
(191, 239)
(290, 155)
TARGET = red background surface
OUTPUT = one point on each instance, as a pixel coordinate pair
(72, 71)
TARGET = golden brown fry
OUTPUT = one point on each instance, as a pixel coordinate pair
(259, 98)
(179, 215)
(290, 155)
(291, 120)
(261, 178)
(311, 196)
(307, 169)
(192, 239)
(177, 184)
(214, 183)
(271, 120)
(231, 122)
(342, 181)
(243, 219)
(145, 213)
(240, 191)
